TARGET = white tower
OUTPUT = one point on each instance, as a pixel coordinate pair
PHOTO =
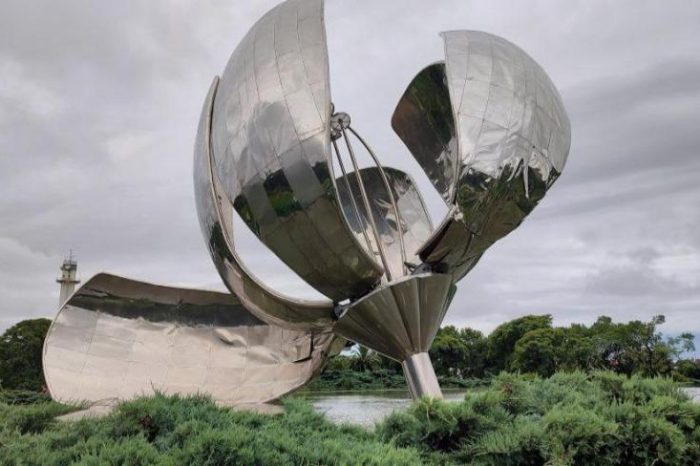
(68, 279)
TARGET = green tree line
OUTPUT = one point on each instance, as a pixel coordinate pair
(529, 344)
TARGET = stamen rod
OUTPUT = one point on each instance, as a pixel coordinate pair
(355, 208)
(365, 201)
(392, 199)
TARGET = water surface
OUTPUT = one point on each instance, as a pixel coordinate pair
(367, 408)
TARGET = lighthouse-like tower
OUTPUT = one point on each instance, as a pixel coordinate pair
(68, 280)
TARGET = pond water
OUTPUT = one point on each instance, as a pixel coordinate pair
(369, 407)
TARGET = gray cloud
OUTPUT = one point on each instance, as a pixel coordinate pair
(99, 105)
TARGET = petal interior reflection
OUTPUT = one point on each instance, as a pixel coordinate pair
(120, 338)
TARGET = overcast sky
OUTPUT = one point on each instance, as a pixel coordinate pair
(99, 103)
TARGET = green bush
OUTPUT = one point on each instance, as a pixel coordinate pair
(23, 397)
(33, 418)
(193, 430)
(569, 419)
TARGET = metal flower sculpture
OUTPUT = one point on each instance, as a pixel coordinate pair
(486, 125)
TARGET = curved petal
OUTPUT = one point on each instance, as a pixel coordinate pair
(415, 220)
(506, 108)
(513, 138)
(120, 338)
(423, 120)
(271, 144)
(216, 221)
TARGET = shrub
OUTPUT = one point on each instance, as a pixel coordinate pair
(33, 418)
(23, 397)
(191, 430)
(568, 419)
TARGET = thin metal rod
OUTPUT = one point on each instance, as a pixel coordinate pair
(355, 208)
(365, 201)
(392, 199)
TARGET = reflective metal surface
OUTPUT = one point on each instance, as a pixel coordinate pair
(400, 319)
(414, 223)
(119, 338)
(420, 376)
(216, 221)
(423, 120)
(512, 140)
(271, 142)
(486, 125)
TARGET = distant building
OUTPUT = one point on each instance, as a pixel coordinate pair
(68, 278)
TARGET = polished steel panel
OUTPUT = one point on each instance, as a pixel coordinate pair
(488, 128)
(271, 144)
(120, 338)
(413, 223)
(400, 319)
(423, 120)
(513, 138)
(215, 219)
(508, 110)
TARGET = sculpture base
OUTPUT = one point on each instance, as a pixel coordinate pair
(420, 377)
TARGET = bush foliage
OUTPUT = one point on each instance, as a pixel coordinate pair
(570, 419)
(165, 430)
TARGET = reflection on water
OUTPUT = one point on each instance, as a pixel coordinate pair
(370, 407)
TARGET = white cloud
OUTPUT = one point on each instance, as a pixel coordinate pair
(100, 107)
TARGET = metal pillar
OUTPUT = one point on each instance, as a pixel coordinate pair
(421, 377)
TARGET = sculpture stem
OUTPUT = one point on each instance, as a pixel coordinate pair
(420, 376)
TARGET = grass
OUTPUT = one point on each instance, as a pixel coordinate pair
(568, 419)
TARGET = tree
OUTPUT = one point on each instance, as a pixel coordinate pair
(689, 369)
(363, 359)
(458, 352)
(21, 349)
(338, 363)
(448, 352)
(576, 348)
(474, 364)
(388, 365)
(638, 347)
(502, 341)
